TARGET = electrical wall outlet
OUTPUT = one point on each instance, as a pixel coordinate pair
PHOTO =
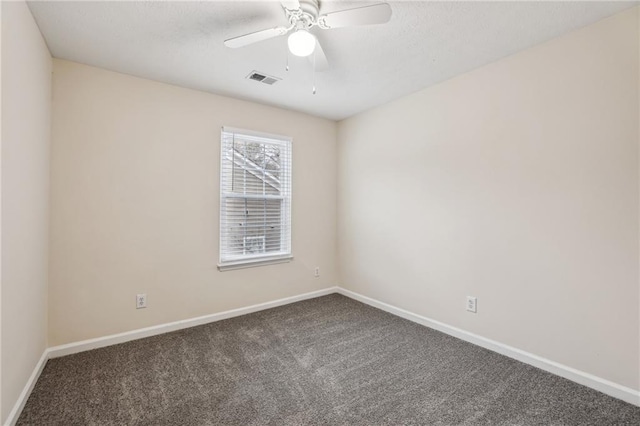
(141, 301)
(316, 272)
(472, 304)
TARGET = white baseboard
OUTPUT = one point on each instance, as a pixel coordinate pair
(24, 395)
(100, 342)
(605, 386)
(602, 385)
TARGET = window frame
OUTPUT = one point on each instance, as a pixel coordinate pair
(252, 260)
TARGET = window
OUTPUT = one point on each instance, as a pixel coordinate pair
(255, 199)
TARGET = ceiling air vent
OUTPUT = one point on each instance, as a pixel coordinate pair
(263, 78)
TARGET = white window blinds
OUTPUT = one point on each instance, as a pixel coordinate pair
(255, 198)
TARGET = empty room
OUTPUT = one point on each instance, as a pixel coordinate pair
(320, 212)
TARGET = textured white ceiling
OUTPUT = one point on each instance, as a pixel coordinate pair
(424, 43)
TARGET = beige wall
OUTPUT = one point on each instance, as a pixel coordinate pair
(516, 183)
(135, 201)
(26, 111)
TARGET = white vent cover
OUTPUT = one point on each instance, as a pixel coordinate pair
(263, 78)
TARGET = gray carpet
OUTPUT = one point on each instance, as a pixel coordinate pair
(329, 360)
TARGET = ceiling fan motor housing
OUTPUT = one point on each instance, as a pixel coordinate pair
(306, 16)
(310, 7)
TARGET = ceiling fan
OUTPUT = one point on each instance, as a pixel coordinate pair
(304, 15)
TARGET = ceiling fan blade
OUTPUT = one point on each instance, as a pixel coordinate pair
(318, 58)
(366, 15)
(290, 4)
(251, 38)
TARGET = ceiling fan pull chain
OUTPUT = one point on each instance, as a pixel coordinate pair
(314, 71)
(286, 68)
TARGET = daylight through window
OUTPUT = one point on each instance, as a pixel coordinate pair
(255, 198)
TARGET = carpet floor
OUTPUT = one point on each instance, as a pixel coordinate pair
(325, 361)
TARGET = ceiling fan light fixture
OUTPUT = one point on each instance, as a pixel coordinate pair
(301, 43)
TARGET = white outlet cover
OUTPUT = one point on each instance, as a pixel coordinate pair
(472, 304)
(141, 301)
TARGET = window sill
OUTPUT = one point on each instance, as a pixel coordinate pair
(252, 263)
